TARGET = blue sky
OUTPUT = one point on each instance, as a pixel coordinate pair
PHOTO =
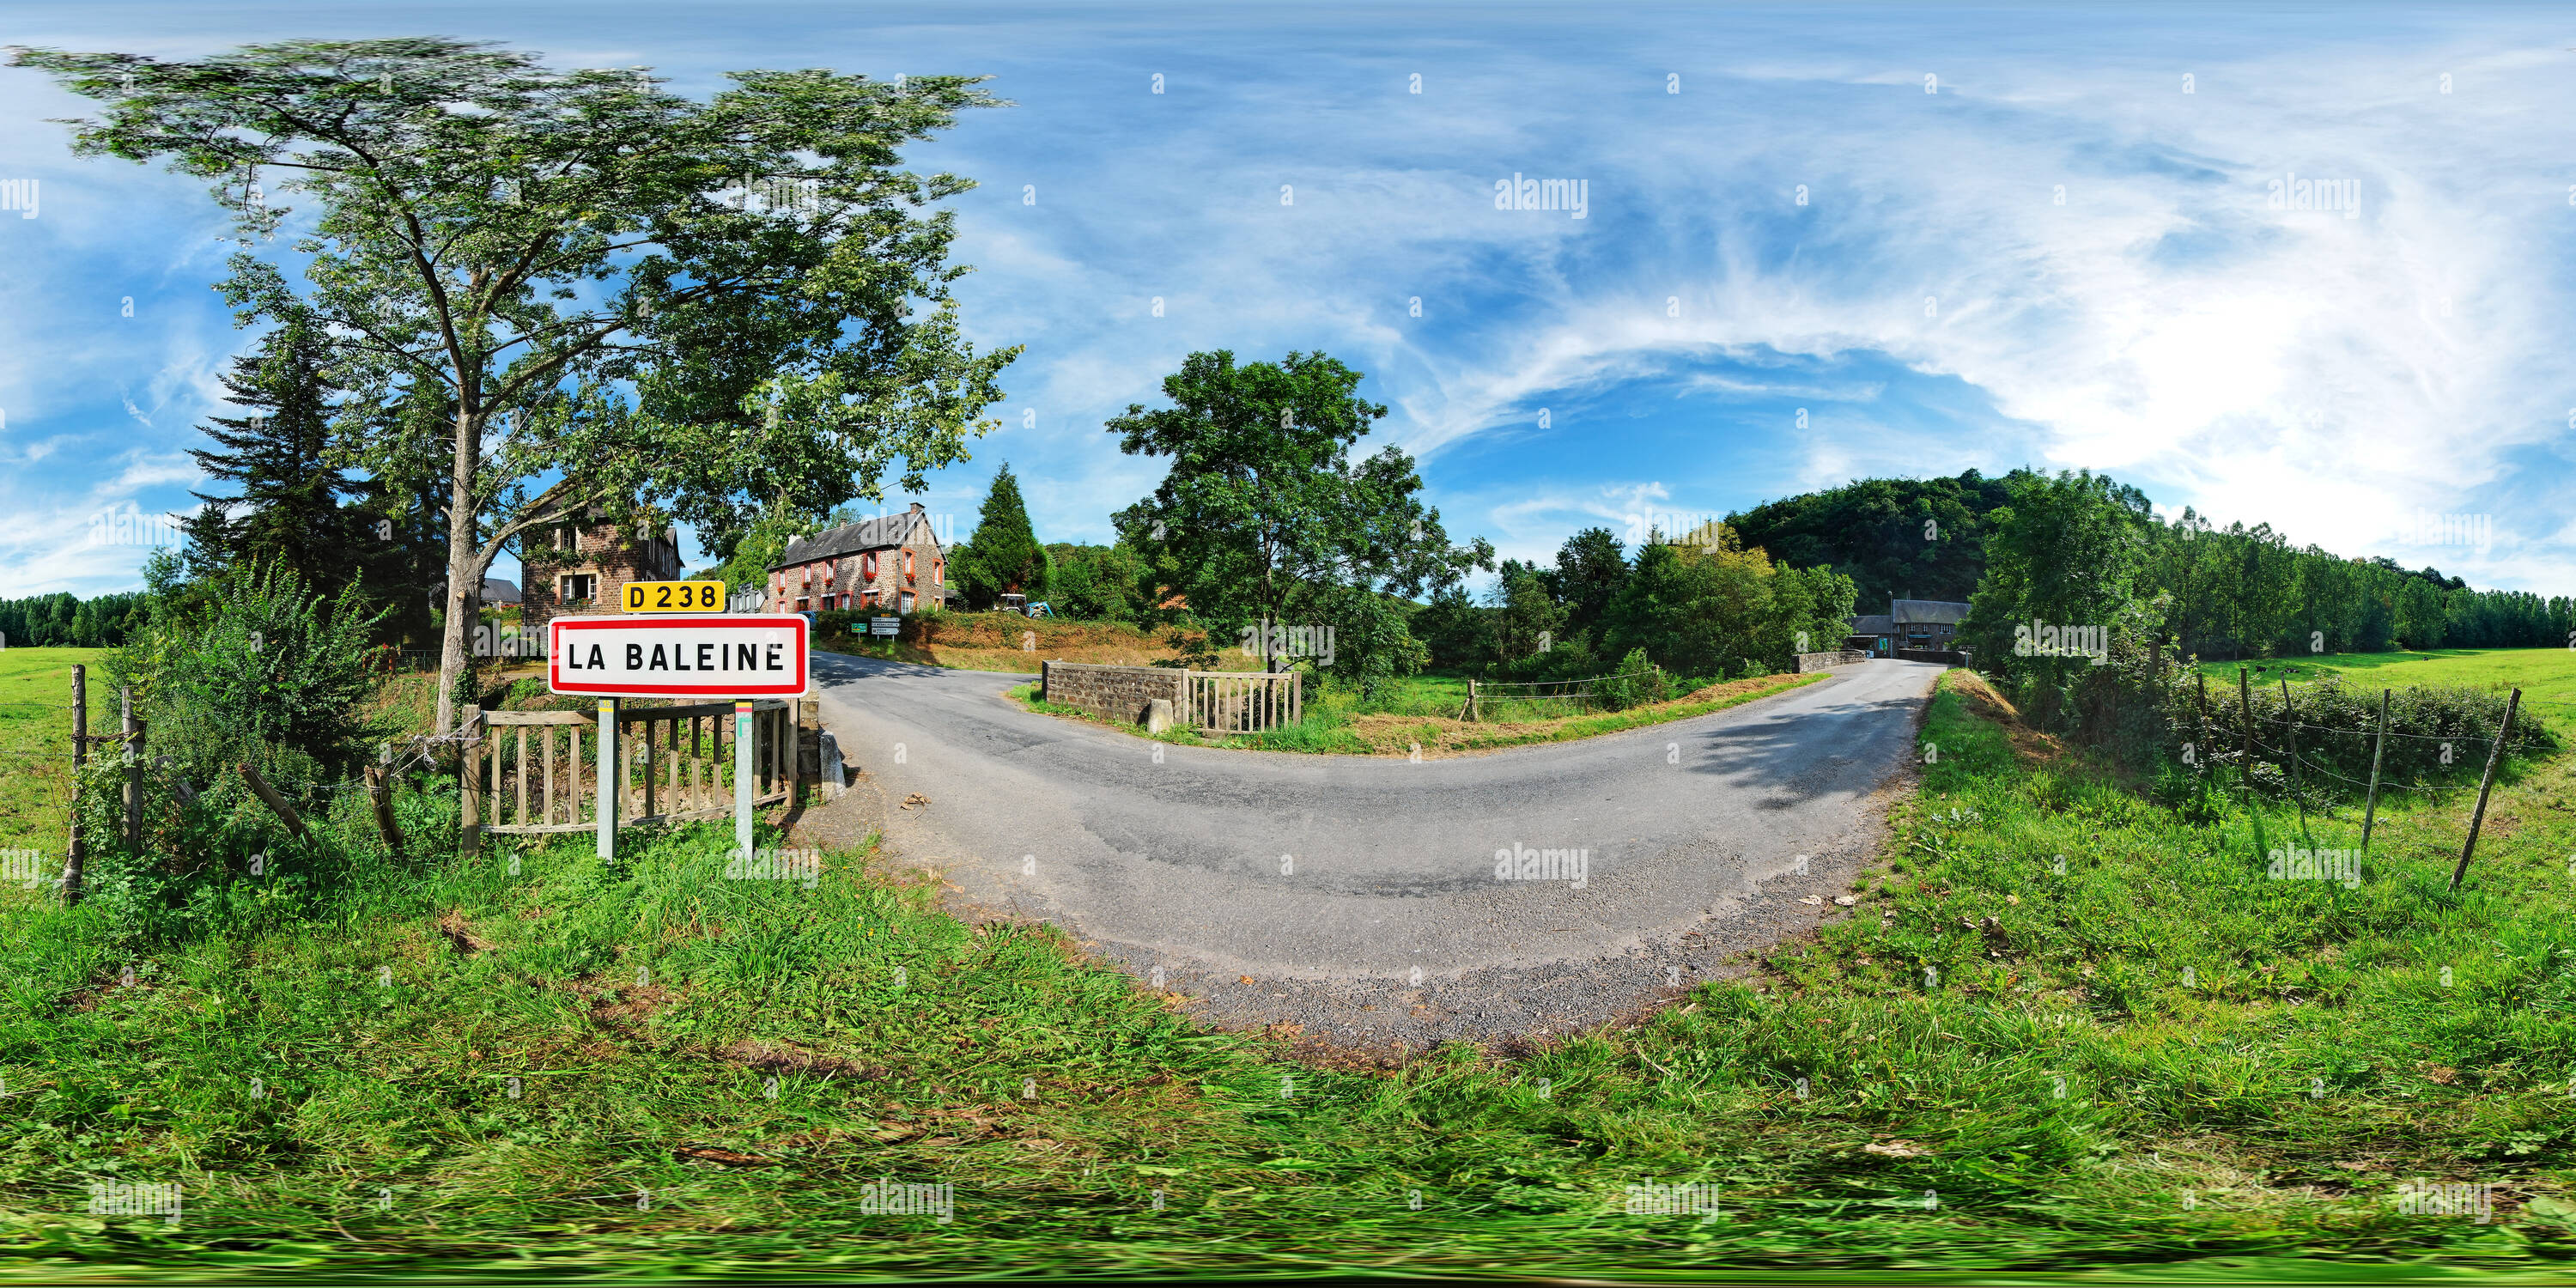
(2056, 257)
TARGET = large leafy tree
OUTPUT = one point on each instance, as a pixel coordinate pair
(1265, 519)
(1699, 607)
(2070, 550)
(1590, 569)
(674, 308)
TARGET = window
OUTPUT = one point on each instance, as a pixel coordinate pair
(868, 566)
(907, 601)
(578, 586)
(938, 572)
(907, 565)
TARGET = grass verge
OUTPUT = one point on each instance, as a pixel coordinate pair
(2148, 1055)
(1336, 729)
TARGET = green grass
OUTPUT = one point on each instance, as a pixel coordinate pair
(36, 743)
(2250, 1122)
(2546, 676)
(1338, 723)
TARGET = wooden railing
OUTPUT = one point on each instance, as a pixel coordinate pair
(1225, 702)
(675, 764)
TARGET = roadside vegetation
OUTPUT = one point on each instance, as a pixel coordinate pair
(995, 641)
(1987, 1063)
(2547, 677)
(1422, 716)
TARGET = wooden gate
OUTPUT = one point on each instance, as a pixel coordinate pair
(1225, 702)
(675, 765)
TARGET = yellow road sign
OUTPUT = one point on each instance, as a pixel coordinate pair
(675, 597)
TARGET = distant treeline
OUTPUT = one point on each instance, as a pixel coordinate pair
(66, 620)
(2231, 592)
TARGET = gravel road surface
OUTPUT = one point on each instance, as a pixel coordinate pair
(1358, 898)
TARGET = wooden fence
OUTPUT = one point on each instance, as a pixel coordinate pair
(1225, 702)
(675, 765)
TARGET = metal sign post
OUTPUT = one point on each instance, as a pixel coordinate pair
(611, 783)
(742, 740)
(740, 657)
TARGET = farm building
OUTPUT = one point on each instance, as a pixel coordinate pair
(582, 566)
(1909, 624)
(891, 561)
(1872, 634)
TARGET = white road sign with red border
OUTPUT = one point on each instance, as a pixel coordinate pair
(659, 657)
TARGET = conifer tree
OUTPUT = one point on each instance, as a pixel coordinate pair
(287, 511)
(1003, 556)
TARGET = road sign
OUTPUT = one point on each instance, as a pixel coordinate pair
(674, 597)
(673, 657)
(885, 626)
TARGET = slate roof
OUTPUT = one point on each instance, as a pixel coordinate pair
(1930, 611)
(881, 532)
(497, 590)
(1879, 625)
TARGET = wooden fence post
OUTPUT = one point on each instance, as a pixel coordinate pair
(2378, 747)
(276, 803)
(76, 855)
(384, 802)
(2495, 756)
(133, 772)
(471, 842)
(2245, 707)
(1471, 700)
(2291, 723)
(2205, 757)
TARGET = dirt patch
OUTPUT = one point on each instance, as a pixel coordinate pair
(779, 1057)
(722, 1157)
(460, 934)
(1985, 703)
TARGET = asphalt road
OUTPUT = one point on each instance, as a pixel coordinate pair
(1274, 887)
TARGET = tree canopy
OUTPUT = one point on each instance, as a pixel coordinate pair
(694, 308)
(1264, 519)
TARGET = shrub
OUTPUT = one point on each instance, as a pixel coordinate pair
(1636, 683)
(270, 675)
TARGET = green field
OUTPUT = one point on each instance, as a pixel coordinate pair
(2546, 676)
(36, 743)
(1917, 1086)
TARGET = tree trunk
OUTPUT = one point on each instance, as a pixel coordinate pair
(464, 576)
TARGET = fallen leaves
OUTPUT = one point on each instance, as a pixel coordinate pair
(915, 799)
(1895, 1149)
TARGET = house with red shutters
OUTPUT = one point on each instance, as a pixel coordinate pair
(891, 563)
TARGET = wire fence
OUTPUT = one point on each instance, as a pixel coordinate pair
(1550, 698)
(2304, 778)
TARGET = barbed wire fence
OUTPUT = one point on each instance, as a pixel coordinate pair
(2213, 753)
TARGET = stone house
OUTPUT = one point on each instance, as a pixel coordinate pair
(891, 563)
(1872, 634)
(583, 567)
(1926, 623)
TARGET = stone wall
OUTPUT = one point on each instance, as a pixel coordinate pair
(1118, 692)
(1828, 661)
(1951, 657)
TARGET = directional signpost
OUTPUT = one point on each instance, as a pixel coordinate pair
(679, 643)
(885, 626)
